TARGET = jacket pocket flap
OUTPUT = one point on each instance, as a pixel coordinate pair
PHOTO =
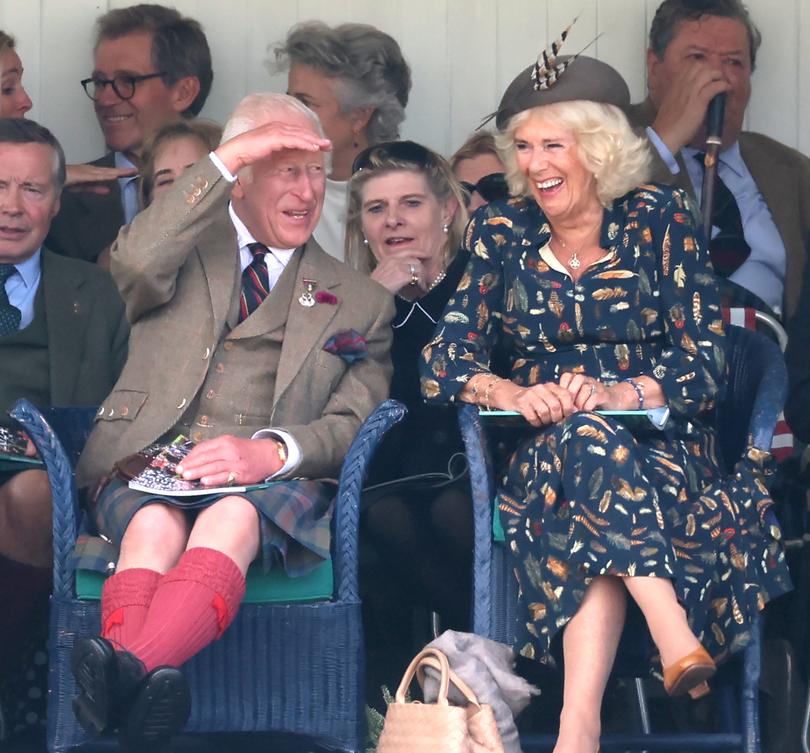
(122, 405)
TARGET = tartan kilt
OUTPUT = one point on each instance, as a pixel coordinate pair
(294, 519)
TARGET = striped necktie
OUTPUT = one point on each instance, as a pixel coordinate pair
(9, 315)
(255, 282)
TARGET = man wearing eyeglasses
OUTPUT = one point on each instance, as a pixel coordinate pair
(152, 67)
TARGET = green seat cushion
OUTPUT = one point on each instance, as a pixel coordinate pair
(497, 528)
(260, 588)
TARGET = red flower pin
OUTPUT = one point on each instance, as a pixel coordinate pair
(322, 296)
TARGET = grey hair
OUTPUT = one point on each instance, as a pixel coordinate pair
(260, 108)
(365, 65)
(24, 131)
(618, 159)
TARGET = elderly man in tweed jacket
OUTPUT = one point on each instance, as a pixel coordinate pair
(270, 387)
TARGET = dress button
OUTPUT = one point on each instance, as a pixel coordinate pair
(210, 394)
(182, 404)
(206, 353)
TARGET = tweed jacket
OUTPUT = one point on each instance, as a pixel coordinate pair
(87, 222)
(782, 175)
(177, 267)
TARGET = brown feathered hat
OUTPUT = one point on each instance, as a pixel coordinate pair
(561, 78)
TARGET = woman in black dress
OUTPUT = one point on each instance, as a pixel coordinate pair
(405, 222)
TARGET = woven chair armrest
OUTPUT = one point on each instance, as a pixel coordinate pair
(482, 483)
(63, 490)
(347, 507)
(772, 392)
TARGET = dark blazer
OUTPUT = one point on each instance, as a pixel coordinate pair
(783, 177)
(177, 267)
(87, 330)
(87, 222)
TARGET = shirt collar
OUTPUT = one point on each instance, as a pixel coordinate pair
(29, 269)
(122, 161)
(244, 237)
(731, 158)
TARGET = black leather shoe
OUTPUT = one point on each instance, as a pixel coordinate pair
(159, 710)
(94, 667)
(107, 682)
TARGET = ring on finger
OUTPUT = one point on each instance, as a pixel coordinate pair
(231, 477)
(593, 389)
(414, 276)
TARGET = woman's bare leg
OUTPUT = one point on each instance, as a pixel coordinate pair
(665, 617)
(589, 648)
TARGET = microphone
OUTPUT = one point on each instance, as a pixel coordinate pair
(714, 119)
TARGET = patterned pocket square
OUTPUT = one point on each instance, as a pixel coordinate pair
(349, 344)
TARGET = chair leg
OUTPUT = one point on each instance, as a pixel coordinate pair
(806, 725)
(641, 703)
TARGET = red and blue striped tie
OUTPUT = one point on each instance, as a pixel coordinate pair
(255, 282)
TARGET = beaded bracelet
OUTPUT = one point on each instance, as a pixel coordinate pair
(638, 388)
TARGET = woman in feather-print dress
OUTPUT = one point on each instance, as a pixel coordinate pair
(605, 299)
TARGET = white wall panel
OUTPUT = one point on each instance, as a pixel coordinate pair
(463, 54)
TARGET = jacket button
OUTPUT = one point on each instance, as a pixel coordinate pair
(206, 353)
(125, 411)
(228, 345)
(220, 368)
(210, 394)
(182, 404)
(197, 436)
(111, 412)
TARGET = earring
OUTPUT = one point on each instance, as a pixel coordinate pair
(445, 228)
(365, 241)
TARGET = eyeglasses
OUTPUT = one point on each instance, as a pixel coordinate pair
(492, 187)
(403, 151)
(123, 84)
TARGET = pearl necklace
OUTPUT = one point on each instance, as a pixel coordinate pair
(439, 278)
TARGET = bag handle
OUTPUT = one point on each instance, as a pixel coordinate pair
(453, 678)
(431, 654)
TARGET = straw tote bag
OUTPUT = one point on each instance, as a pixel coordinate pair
(438, 727)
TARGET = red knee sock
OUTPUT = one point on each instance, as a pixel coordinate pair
(193, 604)
(125, 602)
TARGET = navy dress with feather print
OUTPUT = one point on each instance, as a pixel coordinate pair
(589, 496)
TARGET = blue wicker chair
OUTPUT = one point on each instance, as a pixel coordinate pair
(755, 394)
(291, 668)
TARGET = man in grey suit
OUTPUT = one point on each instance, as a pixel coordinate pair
(63, 340)
(268, 353)
(152, 67)
(698, 50)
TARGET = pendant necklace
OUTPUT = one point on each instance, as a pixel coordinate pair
(573, 260)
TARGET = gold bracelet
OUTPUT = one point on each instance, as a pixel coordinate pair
(281, 449)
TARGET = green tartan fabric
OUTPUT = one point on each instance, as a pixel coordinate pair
(294, 516)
